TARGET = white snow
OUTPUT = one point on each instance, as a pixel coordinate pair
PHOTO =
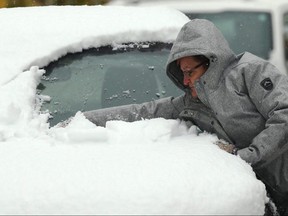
(153, 166)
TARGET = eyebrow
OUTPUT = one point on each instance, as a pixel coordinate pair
(194, 68)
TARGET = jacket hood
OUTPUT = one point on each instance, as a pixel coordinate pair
(200, 37)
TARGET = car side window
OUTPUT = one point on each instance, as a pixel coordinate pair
(106, 77)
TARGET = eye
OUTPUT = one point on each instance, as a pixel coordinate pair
(187, 73)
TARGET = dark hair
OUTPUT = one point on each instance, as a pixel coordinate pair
(202, 58)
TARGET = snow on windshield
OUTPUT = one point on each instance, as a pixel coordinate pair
(153, 166)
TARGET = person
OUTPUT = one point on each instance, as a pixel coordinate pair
(241, 98)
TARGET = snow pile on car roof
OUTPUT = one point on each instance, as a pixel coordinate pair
(38, 35)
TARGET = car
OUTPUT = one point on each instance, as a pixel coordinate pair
(55, 61)
(256, 26)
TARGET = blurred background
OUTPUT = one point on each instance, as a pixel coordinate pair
(24, 3)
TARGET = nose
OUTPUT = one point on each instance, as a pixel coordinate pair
(186, 80)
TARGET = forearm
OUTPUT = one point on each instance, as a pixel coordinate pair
(272, 103)
(164, 108)
(268, 145)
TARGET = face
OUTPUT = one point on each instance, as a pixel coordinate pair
(192, 70)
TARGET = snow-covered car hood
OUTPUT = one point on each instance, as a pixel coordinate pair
(148, 167)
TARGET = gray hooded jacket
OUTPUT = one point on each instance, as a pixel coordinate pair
(248, 95)
(244, 95)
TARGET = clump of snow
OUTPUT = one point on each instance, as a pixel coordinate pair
(79, 131)
(18, 111)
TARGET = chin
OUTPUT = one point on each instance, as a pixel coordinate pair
(193, 93)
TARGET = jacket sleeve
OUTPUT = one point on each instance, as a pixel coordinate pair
(268, 90)
(168, 108)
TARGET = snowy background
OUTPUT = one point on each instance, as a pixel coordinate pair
(147, 167)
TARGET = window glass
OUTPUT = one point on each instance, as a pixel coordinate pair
(106, 77)
(245, 31)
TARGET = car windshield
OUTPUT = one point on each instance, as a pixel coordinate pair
(245, 31)
(106, 77)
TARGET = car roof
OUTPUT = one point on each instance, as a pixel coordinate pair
(59, 30)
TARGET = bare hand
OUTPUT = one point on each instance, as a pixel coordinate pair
(230, 148)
